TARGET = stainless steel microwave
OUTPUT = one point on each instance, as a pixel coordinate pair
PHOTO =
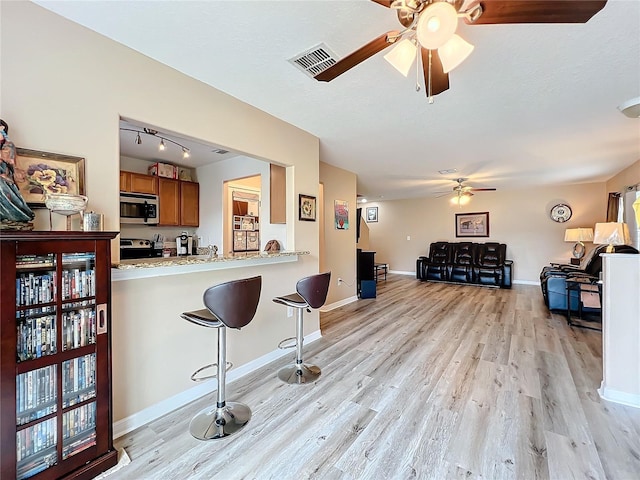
(139, 208)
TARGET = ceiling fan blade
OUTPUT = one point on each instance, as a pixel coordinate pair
(439, 79)
(384, 3)
(359, 56)
(538, 11)
(482, 189)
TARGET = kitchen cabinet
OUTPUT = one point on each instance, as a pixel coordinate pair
(169, 201)
(138, 183)
(178, 202)
(189, 204)
(55, 355)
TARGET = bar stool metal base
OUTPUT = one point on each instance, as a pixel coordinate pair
(213, 423)
(298, 374)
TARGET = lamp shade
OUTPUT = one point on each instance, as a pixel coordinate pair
(578, 235)
(612, 233)
(454, 52)
(437, 23)
(402, 55)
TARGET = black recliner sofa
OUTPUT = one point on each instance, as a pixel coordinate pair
(553, 278)
(466, 262)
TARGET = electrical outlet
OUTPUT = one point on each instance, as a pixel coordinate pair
(289, 311)
(339, 281)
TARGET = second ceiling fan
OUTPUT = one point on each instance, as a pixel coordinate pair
(430, 26)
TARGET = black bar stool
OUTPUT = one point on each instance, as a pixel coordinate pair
(231, 304)
(311, 293)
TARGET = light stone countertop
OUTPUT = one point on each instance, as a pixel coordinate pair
(156, 267)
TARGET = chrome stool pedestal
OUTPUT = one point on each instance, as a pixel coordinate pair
(311, 292)
(225, 418)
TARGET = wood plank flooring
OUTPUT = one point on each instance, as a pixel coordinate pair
(427, 381)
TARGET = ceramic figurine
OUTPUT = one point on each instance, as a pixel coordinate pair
(15, 214)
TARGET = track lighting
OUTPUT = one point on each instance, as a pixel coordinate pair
(186, 153)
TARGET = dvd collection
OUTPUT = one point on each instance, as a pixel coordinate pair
(35, 394)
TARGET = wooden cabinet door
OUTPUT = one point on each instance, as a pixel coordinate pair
(125, 181)
(169, 199)
(144, 184)
(189, 204)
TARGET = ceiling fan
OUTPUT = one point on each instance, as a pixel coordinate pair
(462, 193)
(429, 32)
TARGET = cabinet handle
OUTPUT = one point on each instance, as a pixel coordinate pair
(102, 318)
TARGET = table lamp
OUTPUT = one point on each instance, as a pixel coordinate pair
(578, 235)
(612, 233)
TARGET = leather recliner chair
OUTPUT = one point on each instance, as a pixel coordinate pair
(553, 278)
(462, 260)
(488, 269)
(435, 266)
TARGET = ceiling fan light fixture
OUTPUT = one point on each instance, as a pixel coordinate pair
(402, 56)
(454, 52)
(437, 23)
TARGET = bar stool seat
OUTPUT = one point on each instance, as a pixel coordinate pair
(231, 304)
(311, 292)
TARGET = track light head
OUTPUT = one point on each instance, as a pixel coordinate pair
(161, 147)
(185, 152)
(138, 139)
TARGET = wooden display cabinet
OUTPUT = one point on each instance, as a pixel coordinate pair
(55, 355)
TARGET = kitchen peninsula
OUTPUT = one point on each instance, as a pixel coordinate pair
(155, 351)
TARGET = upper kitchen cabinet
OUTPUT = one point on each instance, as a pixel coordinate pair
(179, 202)
(138, 183)
(189, 204)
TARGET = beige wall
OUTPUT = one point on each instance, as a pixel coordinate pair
(519, 218)
(339, 245)
(627, 177)
(63, 90)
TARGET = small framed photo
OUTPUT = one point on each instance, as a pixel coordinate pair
(372, 214)
(472, 224)
(307, 208)
(38, 173)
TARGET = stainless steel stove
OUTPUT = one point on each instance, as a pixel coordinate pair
(132, 248)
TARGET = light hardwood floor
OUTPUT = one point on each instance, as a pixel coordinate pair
(427, 381)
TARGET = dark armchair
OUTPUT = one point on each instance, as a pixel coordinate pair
(462, 260)
(435, 266)
(490, 260)
(553, 278)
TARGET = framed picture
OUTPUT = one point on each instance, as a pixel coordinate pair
(372, 214)
(472, 224)
(38, 173)
(307, 208)
(341, 212)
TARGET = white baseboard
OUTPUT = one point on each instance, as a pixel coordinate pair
(624, 398)
(525, 282)
(401, 272)
(138, 419)
(339, 303)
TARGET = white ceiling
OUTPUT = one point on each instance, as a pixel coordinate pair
(532, 105)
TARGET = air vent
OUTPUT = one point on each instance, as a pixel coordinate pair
(315, 60)
(220, 151)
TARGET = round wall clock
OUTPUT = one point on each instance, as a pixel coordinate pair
(560, 213)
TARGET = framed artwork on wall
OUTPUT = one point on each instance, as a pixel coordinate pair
(38, 173)
(307, 208)
(472, 224)
(341, 213)
(372, 214)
